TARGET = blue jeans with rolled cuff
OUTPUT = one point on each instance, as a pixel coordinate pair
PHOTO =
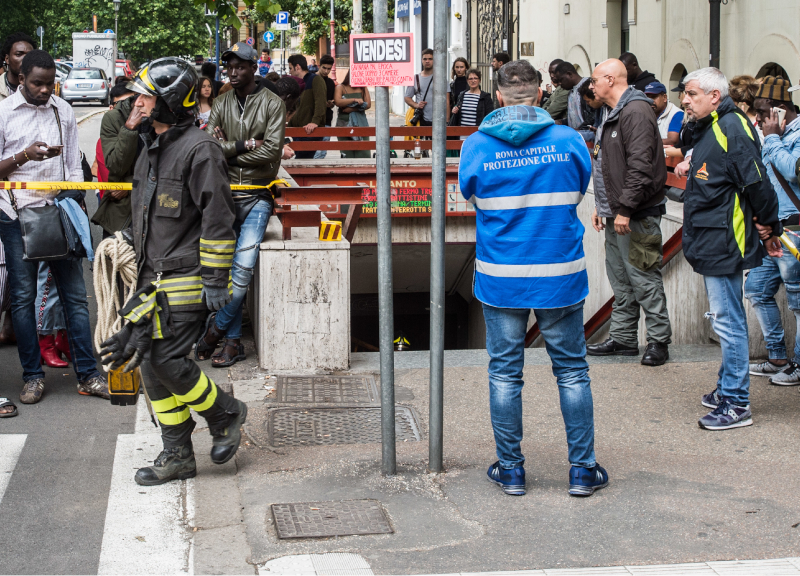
(68, 282)
(562, 329)
(250, 233)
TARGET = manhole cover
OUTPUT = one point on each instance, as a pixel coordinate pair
(327, 390)
(322, 426)
(322, 519)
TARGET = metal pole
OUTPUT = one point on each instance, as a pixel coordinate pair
(357, 16)
(436, 416)
(713, 57)
(283, 55)
(385, 286)
(333, 45)
(216, 50)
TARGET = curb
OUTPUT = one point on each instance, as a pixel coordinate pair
(90, 115)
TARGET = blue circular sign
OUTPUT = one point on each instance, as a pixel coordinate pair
(269, 36)
(109, 31)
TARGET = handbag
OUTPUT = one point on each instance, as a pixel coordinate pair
(43, 236)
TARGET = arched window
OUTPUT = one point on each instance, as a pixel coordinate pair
(772, 69)
(678, 72)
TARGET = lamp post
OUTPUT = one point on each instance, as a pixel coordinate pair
(116, 29)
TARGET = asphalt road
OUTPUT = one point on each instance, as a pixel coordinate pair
(54, 507)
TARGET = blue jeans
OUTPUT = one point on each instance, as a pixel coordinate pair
(760, 287)
(250, 233)
(562, 329)
(730, 324)
(50, 317)
(68, 281)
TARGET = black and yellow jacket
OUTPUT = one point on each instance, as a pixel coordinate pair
(182, 216)
(726, 187)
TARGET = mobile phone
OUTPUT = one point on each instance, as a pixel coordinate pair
(779, 113)
(56, 146)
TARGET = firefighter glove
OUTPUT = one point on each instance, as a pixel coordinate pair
(128, 345)
(216, 297)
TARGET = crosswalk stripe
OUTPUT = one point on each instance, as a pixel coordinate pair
(147, 528)
(10, 448)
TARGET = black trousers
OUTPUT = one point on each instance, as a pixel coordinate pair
(175, 383)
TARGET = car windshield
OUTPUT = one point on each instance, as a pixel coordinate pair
(85, 75)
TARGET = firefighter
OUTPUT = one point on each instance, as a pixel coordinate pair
(184, 242)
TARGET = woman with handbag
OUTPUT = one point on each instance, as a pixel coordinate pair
(352, 102)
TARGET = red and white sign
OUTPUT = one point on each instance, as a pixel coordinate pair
(382, 59)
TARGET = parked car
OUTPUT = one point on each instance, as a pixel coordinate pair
(199, 59)
(62, 71)
(127, 66)
(84, 84)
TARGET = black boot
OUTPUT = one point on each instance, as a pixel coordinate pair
(611, 348)
(226, 440)
(172, 464)
(655, 354)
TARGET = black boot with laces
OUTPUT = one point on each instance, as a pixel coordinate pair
(175, 463)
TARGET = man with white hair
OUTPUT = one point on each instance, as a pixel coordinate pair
(526, 177)
(730, 223)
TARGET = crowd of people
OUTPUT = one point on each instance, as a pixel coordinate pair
(737, 146)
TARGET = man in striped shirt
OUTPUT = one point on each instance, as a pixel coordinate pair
(39, 143)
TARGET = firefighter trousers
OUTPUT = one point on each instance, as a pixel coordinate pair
(175, 383)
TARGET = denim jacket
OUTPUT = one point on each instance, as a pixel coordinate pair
(783, 152)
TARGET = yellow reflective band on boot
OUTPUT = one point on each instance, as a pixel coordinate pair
(166, 404)
(738, 224)
(173, 418)
(203, 384)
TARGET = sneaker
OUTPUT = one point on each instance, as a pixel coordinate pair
(511, 481)
(789, 376)
(175, 463)
(767, 368)
(94, 386)
(32, 391)
(586, 481)
(726, 416)
(711, 400)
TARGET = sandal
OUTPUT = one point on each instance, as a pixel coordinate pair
(225, 358)
(203, 350)
(6, 402)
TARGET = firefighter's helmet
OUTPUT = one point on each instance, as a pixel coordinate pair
(171, 79)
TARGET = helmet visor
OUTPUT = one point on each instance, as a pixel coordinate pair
(141, 84)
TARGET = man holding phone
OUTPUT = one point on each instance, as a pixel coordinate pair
(39, 143)
(778, 121)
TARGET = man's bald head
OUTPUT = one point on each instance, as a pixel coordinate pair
(609, 81)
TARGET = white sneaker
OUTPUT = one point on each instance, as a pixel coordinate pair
(767, 368)
(790, 376)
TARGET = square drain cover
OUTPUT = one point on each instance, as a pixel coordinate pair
(327, 390)
(324, 426)
(323, 519)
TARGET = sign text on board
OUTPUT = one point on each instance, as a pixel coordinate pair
(381, 59)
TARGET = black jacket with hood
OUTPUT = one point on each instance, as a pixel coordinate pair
(634, 170)
(726, 186)
(643, 79)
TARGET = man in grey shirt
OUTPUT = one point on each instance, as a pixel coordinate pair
(422, 89)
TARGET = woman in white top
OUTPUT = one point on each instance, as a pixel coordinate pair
(205, 100)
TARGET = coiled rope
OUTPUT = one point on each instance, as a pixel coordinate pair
(114, 267)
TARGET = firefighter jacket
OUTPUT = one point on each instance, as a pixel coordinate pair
(726, 187)
(263, 117)
(182, 216)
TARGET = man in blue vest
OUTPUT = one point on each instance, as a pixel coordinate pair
(526, 177)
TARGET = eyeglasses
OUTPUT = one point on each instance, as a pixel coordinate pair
(594, 80)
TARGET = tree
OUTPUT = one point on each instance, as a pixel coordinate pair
(148, 30)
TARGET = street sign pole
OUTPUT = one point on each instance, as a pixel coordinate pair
(385, 284)
(333, 45)
(436, 417)
(283, 55)
(216, 49)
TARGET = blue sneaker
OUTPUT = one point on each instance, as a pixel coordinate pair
(585, 481)
(711, 400)
(511, 481)
(726, 416)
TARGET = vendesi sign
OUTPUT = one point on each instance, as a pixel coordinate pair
(381, 59)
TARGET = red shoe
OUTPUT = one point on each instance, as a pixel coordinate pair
(50, 357)
(62, 345)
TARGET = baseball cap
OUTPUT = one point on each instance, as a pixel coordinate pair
(774, 88)
(243, 51)
(655, 88)
(681, 87)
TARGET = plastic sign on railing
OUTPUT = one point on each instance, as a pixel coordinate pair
(382, 59)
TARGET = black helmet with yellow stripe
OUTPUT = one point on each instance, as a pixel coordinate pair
(170, 79)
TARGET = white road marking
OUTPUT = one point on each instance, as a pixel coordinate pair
(10, 448)
(333, 564)
(148, 529)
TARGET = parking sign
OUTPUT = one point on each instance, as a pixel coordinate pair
(282, 21)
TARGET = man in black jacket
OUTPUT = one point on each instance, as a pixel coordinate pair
(637, 77)
(184, 243)
(730, 223)
(634, 174)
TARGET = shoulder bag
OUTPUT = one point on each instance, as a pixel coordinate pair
(43, 236)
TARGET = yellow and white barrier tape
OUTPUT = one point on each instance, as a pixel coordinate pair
(107, 185)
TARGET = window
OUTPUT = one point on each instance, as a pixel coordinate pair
(85, 75)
